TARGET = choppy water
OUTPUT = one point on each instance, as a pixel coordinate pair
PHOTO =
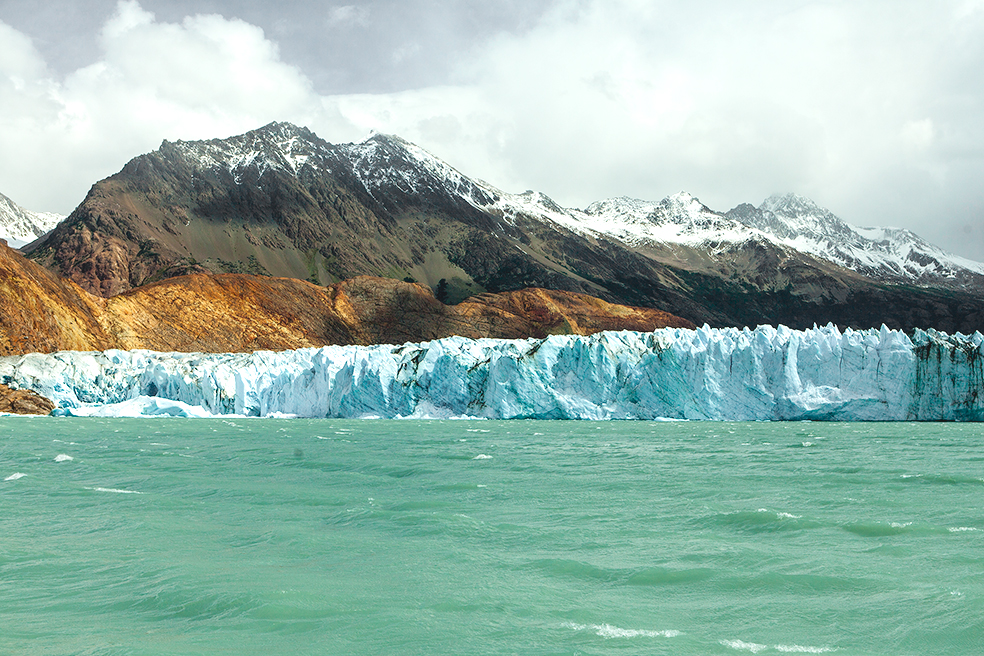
(267, 536)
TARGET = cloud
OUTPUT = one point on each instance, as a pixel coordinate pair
(872, 109)
(347, 15)
(205, 77)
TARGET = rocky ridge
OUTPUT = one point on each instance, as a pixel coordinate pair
(221, 313)
(23, 402)
(280, 201)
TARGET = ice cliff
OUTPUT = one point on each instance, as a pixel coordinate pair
(722, 374)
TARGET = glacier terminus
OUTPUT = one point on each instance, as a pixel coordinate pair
(706, 374)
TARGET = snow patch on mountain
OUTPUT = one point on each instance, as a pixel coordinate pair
(278, 146)
(384, 161)
(787, 221)
(881, 253)
(20, 226)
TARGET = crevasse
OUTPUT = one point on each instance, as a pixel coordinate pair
(719, 374)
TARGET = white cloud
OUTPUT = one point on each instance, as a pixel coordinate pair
(205, 77)
(873, 109)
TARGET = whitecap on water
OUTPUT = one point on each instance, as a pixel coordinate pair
(609, 631)
(63, 457)
(15, 476)
(800, 649)
(114, 490)
(755, 648)
(741, 645)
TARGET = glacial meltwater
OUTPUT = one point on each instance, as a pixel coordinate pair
(298, 536)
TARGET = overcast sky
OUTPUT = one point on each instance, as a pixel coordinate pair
(873, 109)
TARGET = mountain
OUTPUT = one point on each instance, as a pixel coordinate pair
(281, 201)
(239, 312)
(789, 221)
(889, 254)
(19, 226)
(39, 311)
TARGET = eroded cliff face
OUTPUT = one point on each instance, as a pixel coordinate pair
(237, 312)
(40, 312)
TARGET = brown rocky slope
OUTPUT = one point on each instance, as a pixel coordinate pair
(283, 202)
(40, 312)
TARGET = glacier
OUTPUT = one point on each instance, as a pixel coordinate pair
(769, 373)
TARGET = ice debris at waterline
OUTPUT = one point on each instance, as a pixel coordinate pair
(727, 374)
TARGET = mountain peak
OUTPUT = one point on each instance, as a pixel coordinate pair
(275, 146)
(19, 226)
(685, 209)
(793, 205)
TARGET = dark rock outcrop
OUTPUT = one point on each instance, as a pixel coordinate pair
(24, 402)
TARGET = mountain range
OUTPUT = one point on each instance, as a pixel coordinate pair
(280, 201)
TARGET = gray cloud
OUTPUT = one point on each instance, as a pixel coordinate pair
(872, 109)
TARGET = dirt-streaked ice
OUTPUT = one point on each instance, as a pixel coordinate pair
(722, 374)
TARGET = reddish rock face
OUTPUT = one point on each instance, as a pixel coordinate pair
(40, 312)
(24, 402)
(235, 312)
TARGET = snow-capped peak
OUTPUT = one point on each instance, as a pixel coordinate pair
(685, 209)
(388, 167)
(386, 160)
(279, 146)
(791, 204)
(19, 226)
(790, 215)
(631, 209)
(883, 253)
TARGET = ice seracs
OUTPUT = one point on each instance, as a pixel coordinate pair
(719, 374)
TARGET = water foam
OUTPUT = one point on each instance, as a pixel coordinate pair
(741, 645)
(608, 631)
(114, 490)
(800, 649)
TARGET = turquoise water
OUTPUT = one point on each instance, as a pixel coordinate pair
(266, 536)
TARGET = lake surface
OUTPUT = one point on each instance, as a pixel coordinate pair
(264, 536)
